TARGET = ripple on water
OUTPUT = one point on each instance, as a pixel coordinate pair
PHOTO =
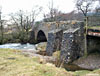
(19, 46)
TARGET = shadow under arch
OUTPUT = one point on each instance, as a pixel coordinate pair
(41, 37)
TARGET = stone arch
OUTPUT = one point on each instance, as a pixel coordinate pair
(41, 37)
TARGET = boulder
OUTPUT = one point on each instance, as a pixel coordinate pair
(91, 62)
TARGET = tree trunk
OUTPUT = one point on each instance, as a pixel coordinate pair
(1, 28)
(86, 23)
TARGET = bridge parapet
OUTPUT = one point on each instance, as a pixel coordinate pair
(48, 26)
(64, 25)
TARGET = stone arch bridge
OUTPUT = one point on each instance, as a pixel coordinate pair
(66, 36)
(40, 31)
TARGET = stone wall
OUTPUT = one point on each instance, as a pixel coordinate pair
(54, 41)
(71, 45)
(70, 42)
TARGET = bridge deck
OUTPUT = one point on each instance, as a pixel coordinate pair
(94, 34)
(94, 31)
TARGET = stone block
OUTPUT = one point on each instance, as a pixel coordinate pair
(54, 41)
(71, 45)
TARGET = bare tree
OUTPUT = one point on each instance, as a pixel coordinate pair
(53, 13)
(24, 20)
(21, 21)
(35, 12)
(84, 6)
(97, 9)
(51, 8)
(1, 24)
(14, 21)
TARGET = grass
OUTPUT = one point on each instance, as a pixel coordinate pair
(14, 63)
(81, 73)
(87, 73)
(94, 27)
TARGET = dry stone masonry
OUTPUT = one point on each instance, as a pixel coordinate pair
(69, 41)
(67, 37)
(54, 41)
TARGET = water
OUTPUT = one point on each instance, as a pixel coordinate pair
(19, 46)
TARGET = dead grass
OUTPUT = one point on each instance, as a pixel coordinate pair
(13, 63)
(87, 73)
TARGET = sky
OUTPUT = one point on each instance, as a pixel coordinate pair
(11, 6)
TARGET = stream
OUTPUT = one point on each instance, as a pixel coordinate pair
(19, 46)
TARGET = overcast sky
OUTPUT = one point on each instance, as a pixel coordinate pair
(9, 6)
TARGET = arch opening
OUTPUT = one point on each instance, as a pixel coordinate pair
(41, 37)
(93, 44)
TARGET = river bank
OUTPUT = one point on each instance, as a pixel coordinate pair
(18, 63)
(39, 55)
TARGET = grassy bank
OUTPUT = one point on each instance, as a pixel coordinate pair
(87, 73)
(13, 63)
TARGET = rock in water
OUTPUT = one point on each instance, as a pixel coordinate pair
(41, 48)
